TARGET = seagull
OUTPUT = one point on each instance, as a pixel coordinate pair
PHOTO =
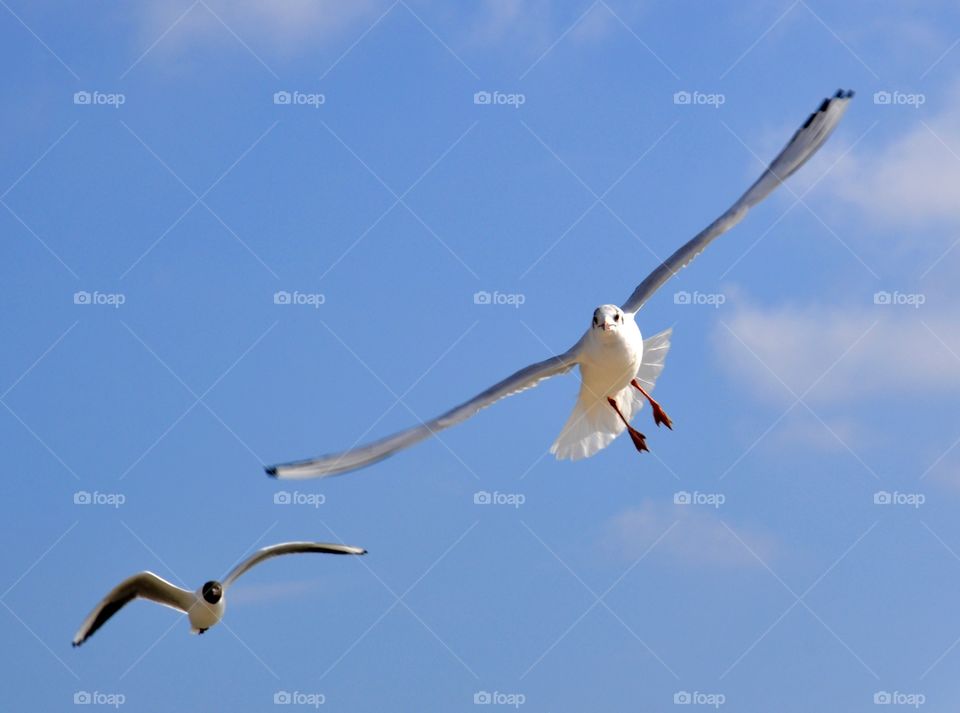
(618, 368)
(205, 606)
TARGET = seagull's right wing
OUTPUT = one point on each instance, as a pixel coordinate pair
(378, 450)
(289, 548)
(145, 585)
(805, 143)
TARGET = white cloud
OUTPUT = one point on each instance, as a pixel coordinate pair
(595, 25)
(801, 430)
(911, 180)
(498, 19)
(899, 350)
(295, 26)
(287, 26)
(699, 537)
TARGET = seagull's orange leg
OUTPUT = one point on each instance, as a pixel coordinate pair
(639, 440)
(659, 415)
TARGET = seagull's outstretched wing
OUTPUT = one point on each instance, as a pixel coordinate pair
(289, 548)
(804, 144)
(145, 585)
(378, 450)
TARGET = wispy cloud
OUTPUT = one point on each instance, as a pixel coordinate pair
(274, 591)
(700, 537)
(911, 180)
(286, 27)
(907, 351)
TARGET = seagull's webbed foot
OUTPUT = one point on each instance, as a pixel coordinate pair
(659, 415)
(639, 440)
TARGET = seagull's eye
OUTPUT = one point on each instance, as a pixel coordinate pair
(616, 318)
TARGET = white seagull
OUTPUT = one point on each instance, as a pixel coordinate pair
(618, 368)
(205, 606)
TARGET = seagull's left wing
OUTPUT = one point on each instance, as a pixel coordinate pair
(804, 144)
(378, 450)
(289, 548)
(145, 585)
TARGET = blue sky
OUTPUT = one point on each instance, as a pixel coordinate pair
(815, 366)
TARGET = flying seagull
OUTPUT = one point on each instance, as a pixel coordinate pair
(618, 368)
(205, 606)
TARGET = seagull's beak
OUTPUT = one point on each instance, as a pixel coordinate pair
(607, 325)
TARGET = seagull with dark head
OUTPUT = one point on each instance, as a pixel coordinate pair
(618, 368)
(205, 606)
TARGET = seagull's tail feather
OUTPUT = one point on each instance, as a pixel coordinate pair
(594, 425)
(591, 427)
(654, 357)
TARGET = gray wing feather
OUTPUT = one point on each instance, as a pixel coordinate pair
(289, 548)
(145, 585)
(378, 450)
(804, 144)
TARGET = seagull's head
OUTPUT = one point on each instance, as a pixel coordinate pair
(608, 319)
(212, 592)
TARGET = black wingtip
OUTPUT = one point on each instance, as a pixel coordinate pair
(270, 470)
(75, 644)
(364, 552)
